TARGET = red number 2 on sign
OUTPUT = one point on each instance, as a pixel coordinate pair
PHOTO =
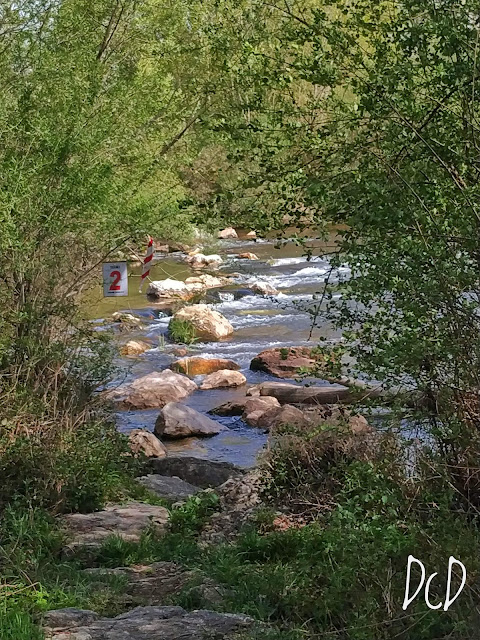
(117, 276)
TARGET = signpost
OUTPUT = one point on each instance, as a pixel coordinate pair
(115, 279)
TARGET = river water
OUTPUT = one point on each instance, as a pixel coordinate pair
(259, 323)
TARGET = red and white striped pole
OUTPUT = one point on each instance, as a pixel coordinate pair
(146, 262)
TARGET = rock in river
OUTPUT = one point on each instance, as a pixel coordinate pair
(197, 366)
(228, 233)
(223, 379)
(143, 441)
(201, 261)
(153, 390)
(135, 348)
(284, 362)
(208, 324)
(264, 289)
(179, 421)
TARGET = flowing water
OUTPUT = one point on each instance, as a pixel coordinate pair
(259, 323)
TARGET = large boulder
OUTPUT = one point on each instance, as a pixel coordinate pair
(168, 487)
(128, 521)
(179, 421)
(208, 324)
(223, 380)
(135, 348)
(153, 390)
(283, 415)
(255, 407)
(159, 623)
(227, 234)
(283, 362)
(143, 441)
(196, 471)
(201, 261)
(197, 366)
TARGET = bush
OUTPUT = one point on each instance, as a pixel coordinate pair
(66, 468)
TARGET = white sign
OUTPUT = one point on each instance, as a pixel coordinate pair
(115, 279)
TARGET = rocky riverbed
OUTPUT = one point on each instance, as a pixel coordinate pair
(265, 294)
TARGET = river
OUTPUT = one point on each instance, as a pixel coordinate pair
(259, 323)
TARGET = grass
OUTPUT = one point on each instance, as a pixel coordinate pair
(182, 331)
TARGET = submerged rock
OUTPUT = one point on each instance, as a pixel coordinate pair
(179, 421)
(196, 366)
(227, 234)
(223, 379)
(283, 362)
(208, 324)
(159, 623)
(153, 390)
(143, 441)
(196, 471)
(128, 521)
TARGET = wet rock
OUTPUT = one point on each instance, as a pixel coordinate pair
(180, 352)
(208, 324)
(135, 348)
(255, 408)
(179, 421)
(295, 394)
(160, 623)
(201, 473)
(201, 261)
(153, 390)
(127, 521)
(223, 380)
(143, 441)
(154, 584)
(248, 256)
(264, 289)
(227, 234)
(197, 366)
(284, 362)
(169, 487)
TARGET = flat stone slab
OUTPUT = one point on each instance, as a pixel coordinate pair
(159, 623)
(295, 394)
(127, 521)
(196, 471)
(169, 487)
